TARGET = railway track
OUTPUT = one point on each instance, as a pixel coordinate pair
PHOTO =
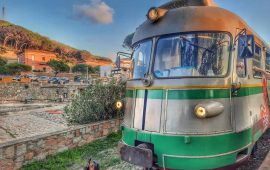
(261, 152)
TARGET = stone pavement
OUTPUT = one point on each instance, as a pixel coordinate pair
(31, 123)
(266, 163)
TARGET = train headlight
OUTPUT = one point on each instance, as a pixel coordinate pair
(119, 105)
(208, 109)
(200, 112)
(154, 14)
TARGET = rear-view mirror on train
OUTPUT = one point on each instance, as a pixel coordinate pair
(246, 46)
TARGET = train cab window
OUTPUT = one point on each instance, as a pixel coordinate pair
(267, 62)
(196, 55)
(257, 61)
(141, 59)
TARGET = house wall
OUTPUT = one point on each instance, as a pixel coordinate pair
(37, 59)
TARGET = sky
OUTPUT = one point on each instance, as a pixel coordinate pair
(100, 26)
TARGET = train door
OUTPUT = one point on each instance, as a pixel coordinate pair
(240, 101)
(266, 83)
(258, 97)
(267, 68)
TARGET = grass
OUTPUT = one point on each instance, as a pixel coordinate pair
(103, 150)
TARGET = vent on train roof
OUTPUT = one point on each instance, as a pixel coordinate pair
(184, 3)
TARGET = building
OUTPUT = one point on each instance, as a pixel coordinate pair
(37, 59)
(105, 71)
(125, 69)
(10, 56)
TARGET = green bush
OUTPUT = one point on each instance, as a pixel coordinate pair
(17, 68)
(96, 103)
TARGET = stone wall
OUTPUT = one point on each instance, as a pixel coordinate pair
(17, 92)
(17, 153)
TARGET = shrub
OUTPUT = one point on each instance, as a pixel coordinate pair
(82, 68)
(58, 66)
(17, 68)
(96, 103)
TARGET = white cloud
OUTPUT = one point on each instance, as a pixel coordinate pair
(96, 11)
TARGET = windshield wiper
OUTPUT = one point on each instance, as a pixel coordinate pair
(195, 45)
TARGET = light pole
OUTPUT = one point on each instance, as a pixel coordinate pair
(87, 72)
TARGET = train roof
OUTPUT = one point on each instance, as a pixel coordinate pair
(193, 19)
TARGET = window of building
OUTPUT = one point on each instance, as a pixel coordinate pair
(33, 58)
(257, 61)
(43, 58)
(267, 62)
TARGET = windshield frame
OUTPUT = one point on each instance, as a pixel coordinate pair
(152, 40)
(194, 32)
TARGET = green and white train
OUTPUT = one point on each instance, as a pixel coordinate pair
(194, 101)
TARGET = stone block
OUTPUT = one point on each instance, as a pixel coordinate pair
(100, 127)
(9, 152)
(112, 123)
(29, 156)
(68, 142)
(1, 154)
(40, 143)
(21, 149)
(70, 134)
(99, 134)
(106, 132)
(117, 122)
(18, 165)
(77, 133)
(106, 125)
(77, 140)
(82, 142)
(51, 142)
(31, 146)
(62, 149)
(95, 127)
(41, 156)
(88, 130)
(19, 159)
(7, 164)
(90, 139)
(82, 130)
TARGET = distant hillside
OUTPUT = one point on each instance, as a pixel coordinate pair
(18, 39)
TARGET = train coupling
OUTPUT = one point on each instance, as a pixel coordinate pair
(140, 155)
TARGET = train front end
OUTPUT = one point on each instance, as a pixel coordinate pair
(178, 102)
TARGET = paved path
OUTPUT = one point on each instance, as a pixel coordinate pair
(266, 163)
(30, 123)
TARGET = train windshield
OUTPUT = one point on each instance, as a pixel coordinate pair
(193, 55)
(141, 59)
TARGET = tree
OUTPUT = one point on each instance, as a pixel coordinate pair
(17, 68)
(82, 68)
(128, 41)
(4, 70)
(2, 61)
(58, 66)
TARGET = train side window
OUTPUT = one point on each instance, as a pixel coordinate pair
(267, 62)
(241, 68)
(257, 61)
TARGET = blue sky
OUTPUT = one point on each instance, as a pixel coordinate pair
(102, 30)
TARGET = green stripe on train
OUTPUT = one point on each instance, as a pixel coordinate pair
(214, 151)
(194, 94)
